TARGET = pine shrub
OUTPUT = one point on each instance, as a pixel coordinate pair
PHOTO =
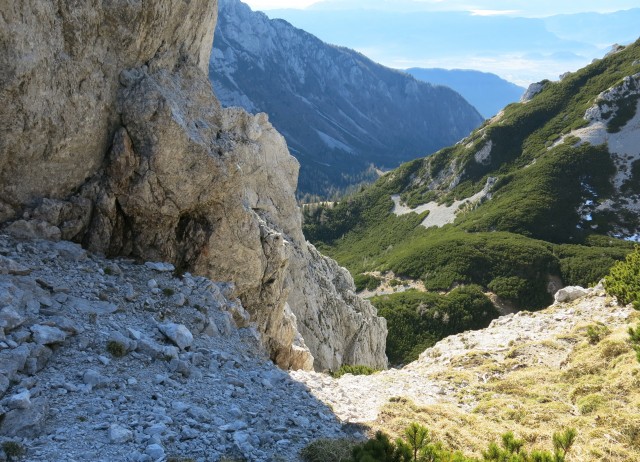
(623, 280)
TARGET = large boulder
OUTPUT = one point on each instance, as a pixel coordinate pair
(142, 161)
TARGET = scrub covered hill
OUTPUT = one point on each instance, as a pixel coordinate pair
(538, 197)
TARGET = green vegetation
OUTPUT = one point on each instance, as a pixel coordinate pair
(590, 403)
(626, 111)
(541, 223)
(13, 450)
(355, 370)
(417, 320)
(416, 445)
(328, 450)
(366, 281)
(596, 332)
(634, 338)
(168, 291)
(624, 279)
(117, 349)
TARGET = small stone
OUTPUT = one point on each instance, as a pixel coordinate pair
(70, 251)
(10, 319)
(20, 400)
(129, 293)
(178, 334)
(134, 334)
(155, 451)
(152, 284)
(9, 266)
(569, 294)
(234, 426)
(93, 307)
(25, 422)
(179, 299)
(46, 335)
(94, 378)
(160, 267)
(38, 358)
(211, 329)
(119, 434)
(156, 429)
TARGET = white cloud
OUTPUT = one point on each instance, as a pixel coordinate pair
(274, 4)
(493, 12)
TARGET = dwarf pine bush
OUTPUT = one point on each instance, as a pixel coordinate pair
(623, 280)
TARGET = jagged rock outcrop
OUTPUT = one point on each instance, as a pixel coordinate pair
(143, 162)
(320, 291)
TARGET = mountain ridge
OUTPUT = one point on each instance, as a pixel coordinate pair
(335, 107)
(538, 197)
(487, 92)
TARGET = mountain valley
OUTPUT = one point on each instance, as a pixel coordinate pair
(539, 197)
(343, 116)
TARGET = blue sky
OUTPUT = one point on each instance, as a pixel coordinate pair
(526, 8)
(512, 38)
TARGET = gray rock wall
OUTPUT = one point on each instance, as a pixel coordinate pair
(60, 64)
(113, 138)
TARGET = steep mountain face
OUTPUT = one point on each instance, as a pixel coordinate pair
(539, 197)
(487, 92)
(339, 112)
(115, 139)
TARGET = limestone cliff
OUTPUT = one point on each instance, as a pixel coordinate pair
(114, 139)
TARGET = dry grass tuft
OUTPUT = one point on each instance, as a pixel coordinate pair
(537, 390)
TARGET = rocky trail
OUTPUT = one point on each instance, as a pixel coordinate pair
(189, 383)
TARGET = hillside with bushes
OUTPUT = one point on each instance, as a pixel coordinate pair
(543, 195)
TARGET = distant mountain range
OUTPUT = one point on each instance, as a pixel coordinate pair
(487, 92)
(521, 49)
(343, 116)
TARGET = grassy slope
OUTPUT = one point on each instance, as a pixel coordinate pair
(528, 231)
(595, 391)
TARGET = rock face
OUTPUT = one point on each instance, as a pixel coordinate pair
(340, 112)
(143, 162)
(60, 65)
(336, 336)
